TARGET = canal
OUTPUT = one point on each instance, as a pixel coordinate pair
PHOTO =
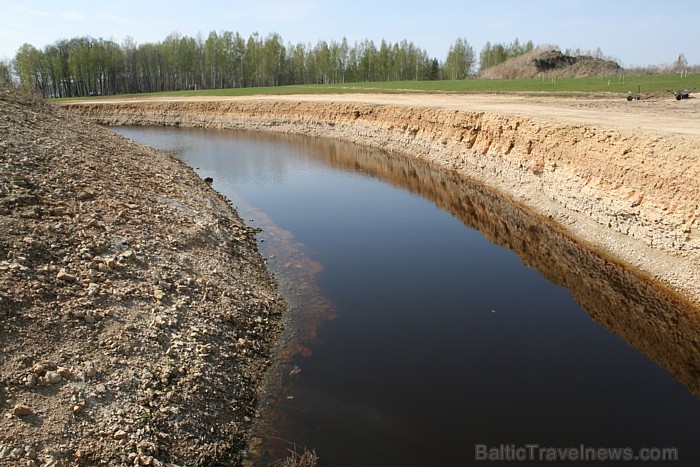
(429, 316)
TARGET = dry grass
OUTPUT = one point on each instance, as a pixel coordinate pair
(295, 459)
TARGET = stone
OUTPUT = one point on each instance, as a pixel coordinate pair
(120, 434)
(31, 380)
(39, 369)
(30, 452)
(93, 289)
(21, 410)
(65, 276)
(52, 377)
(90, 370)
(158, 294)
(85, 195)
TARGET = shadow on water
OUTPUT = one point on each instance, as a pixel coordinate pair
(659, 324)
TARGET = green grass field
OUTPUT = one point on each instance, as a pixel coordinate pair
(648, 84)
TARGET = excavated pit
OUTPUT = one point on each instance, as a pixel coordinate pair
(632, 195)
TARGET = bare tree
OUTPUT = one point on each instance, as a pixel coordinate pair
(5, 71)
(681, 65)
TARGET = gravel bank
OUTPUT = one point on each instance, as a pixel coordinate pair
(137, 314)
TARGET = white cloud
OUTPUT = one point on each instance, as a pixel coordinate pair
(28, 11)
(73, 15)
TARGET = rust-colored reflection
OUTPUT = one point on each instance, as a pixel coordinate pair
(661, 325)
(295, 273)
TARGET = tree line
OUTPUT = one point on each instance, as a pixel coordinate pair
(495, 54)
(86, 66)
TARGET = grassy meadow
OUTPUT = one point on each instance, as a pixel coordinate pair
(590, 87)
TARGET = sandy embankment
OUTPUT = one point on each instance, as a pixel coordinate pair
(623, 177)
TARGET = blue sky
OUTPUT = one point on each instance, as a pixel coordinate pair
(640, 32)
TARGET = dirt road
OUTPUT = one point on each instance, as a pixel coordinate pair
(660, 113)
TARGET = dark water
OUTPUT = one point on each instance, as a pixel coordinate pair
(429, 315)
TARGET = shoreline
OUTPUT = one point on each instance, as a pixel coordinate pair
(628, 194)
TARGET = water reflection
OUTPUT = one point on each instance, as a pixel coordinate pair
(661, 325)
(307, 309)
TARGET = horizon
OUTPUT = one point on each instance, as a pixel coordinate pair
(636, 36)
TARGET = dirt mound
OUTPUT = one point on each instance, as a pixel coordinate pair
(549, 62)
(136, 311)
(553, 59)
(555, 63)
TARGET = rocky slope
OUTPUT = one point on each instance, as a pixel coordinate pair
(631, 194)
(136, 313)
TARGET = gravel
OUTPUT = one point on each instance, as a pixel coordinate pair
(137, 313)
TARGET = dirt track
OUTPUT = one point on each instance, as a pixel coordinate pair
(660, 113)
